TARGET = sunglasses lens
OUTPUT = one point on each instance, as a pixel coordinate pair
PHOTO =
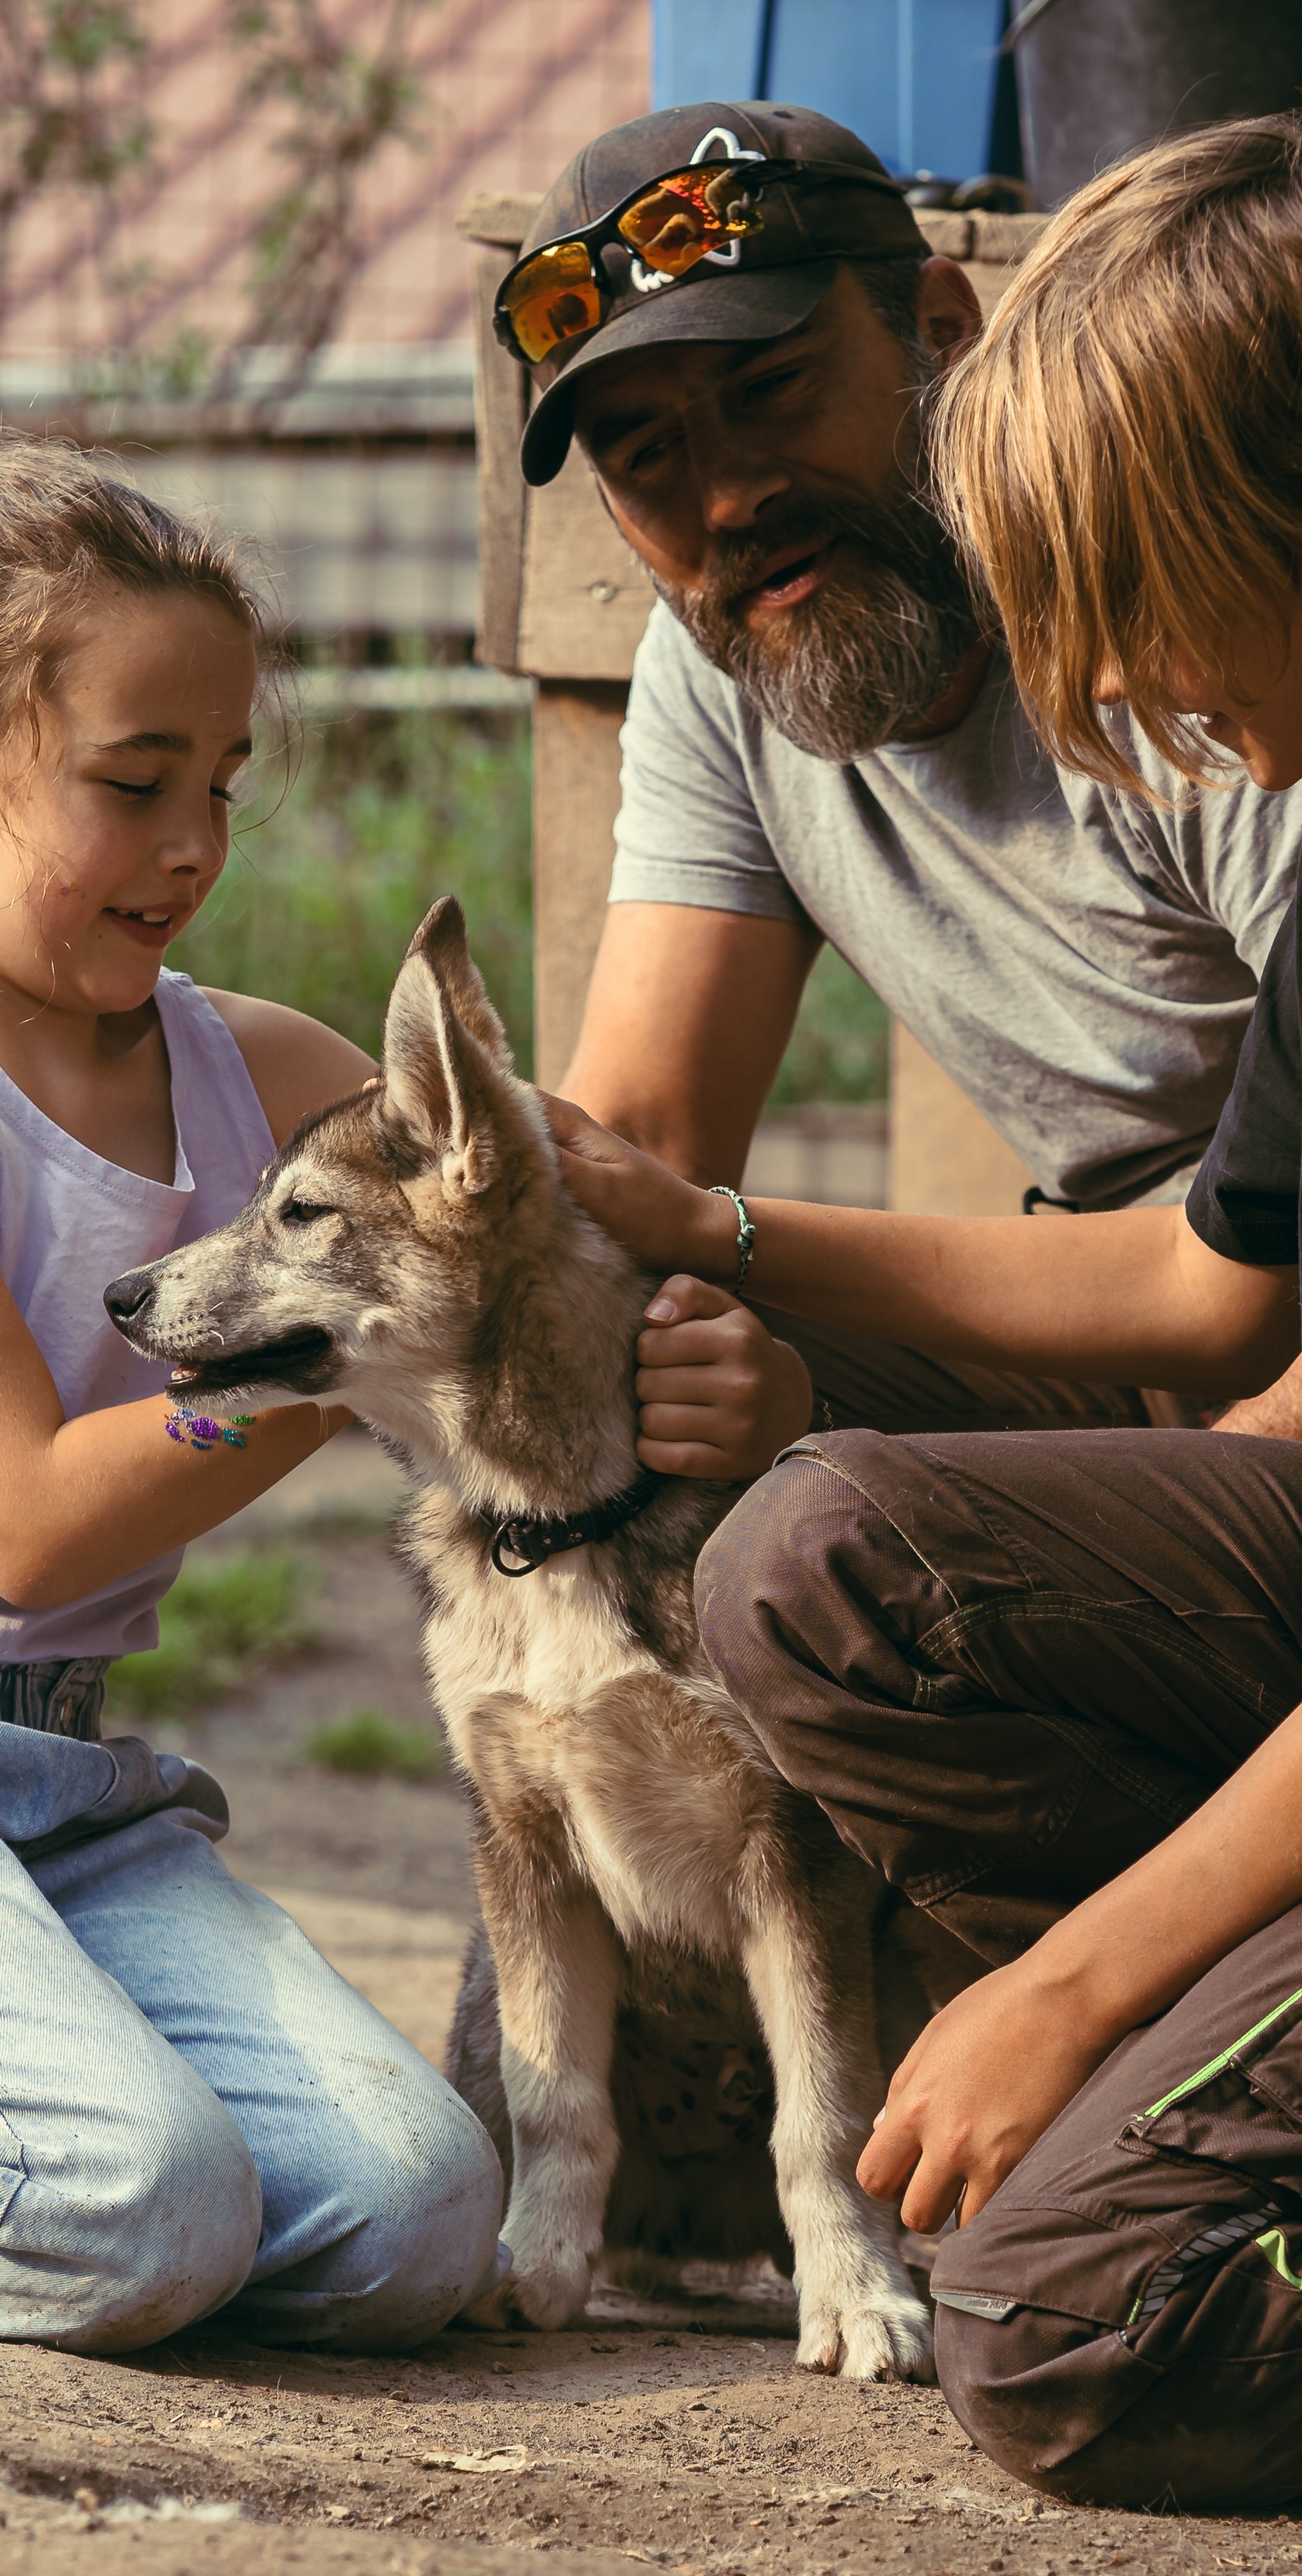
(552, 298)
(691, 212)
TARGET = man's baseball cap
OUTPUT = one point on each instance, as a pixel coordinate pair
(772, 277)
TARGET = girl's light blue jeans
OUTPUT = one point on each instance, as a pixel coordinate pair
(196, 2113)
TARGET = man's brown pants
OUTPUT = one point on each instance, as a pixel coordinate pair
(1006, 1665)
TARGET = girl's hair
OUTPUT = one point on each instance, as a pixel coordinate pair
(1120, 457)
(68, 530)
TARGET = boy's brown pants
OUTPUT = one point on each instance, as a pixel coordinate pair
(1006, 1664)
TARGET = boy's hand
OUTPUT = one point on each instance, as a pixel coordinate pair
(979, 2086)
(718, 1395)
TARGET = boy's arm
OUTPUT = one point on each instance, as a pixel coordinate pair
(1136, 1298)
(1275, 1414)
(999, 2063)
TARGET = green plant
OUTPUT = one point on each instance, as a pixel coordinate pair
(839, 1045)
(371, 1745)
(322, 893)
(224, 1616)
(69, 115)
(325, 886)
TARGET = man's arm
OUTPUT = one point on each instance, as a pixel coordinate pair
(687, 1020)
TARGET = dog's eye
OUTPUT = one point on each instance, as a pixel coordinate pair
(302, 1212)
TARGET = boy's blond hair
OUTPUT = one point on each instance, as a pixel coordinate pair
(1120, 456)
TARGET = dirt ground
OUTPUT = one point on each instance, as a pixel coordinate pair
(677, 2435)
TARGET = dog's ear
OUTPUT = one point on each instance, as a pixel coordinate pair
(441, 1079)
(441, 941)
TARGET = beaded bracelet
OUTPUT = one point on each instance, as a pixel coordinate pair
(745, 1230)
(203, 1434)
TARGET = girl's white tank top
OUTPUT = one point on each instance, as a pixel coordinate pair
(69, 1223)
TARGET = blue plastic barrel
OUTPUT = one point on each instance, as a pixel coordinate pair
(914, 77)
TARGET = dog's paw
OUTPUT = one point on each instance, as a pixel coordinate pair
(545, 2290)
(549, 2294)
(888, 2337)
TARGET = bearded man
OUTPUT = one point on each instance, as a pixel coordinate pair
(733, 310)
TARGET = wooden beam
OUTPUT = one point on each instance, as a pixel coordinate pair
(499, 216)
(501, 398)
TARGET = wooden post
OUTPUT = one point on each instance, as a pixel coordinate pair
(944, 1158)
(565, 600)
(575, 797)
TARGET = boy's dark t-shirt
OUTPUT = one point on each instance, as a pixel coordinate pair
(1244, 1201)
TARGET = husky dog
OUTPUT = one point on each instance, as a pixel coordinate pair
(668, 1921)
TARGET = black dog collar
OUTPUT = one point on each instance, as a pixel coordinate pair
(534, 1541)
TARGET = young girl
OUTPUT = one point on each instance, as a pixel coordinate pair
(1051, 1687)
(195, 2112)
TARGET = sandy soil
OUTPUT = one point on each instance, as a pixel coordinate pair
(676, 2435)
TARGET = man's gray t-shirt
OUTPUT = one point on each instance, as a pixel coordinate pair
(1083, 964)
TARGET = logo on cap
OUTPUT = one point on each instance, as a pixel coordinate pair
(720, 142)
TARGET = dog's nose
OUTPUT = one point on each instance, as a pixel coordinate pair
(126, 1298)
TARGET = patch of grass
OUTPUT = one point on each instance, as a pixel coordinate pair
(373, 1746)
(839, 1046)
(225, 1617)
(322, 893)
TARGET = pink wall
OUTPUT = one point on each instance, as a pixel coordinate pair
(514, 87)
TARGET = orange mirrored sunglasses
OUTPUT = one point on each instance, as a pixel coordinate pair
(670, 225)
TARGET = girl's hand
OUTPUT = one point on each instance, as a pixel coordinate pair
(977, 2089)
(663, 1220)
(718, 1395)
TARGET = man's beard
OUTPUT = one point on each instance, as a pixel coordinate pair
(874, 647)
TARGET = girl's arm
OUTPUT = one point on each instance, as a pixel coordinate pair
(295, 1064)
(999, 2063)
(1137, 1298)
(92, 1499)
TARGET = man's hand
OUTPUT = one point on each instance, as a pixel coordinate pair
(718, 1395)
(977, 2089)
(663, 1220)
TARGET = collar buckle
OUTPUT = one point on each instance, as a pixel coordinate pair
(532, 1542)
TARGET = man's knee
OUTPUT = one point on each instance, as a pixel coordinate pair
(811, 1585)
(758, 1576)
(163, 2233)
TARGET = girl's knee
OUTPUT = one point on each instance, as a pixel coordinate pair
(434, 2241)
(412, 2234)
(165, 2235)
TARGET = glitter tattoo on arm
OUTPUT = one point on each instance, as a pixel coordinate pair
(199, 1431)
